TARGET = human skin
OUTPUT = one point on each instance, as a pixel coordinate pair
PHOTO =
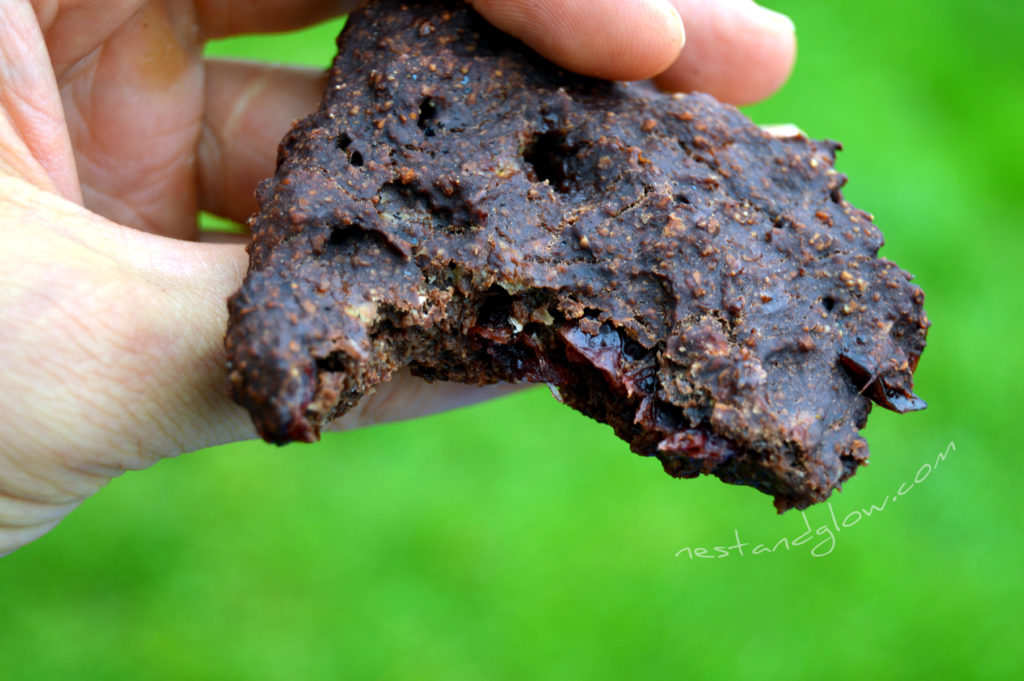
(115, 131)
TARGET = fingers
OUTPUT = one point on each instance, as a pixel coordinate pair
(249, 108)
(735, 50)
(34, 142)
(614, 39)
(218, 18)
(16, 159)
(133, 111)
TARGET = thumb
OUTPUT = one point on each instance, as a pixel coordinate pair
(112, 357)
(111, 353)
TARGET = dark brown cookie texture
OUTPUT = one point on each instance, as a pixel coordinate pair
(460, 206)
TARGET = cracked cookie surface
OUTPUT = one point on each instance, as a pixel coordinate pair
(460, 206)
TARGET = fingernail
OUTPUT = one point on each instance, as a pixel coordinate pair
(777, 21)
(783, 130)
(664, 12)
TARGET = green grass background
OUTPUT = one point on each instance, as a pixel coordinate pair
(519, 540)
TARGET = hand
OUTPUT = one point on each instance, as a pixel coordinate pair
(115, 131)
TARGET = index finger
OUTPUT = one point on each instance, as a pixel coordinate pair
(735, 49)
(613, 39)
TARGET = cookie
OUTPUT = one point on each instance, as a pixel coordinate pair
(461, 206)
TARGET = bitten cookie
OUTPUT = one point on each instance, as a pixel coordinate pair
(460, 206)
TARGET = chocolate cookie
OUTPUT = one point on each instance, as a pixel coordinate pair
(460, 206)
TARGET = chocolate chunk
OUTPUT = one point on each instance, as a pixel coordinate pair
(460, 206)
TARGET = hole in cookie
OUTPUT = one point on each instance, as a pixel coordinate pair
(828, 302)
(428, 113)
(344, 143)
(495, 309)
(402, 204)
(682, 198)
(548, 156)
(355, 238)
(631, 349)
(343, 235)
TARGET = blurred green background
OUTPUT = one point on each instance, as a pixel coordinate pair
(519, 540)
